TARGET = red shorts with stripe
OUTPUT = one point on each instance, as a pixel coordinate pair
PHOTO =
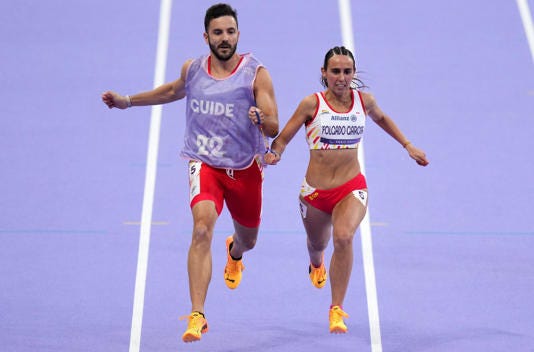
(326, 199)
(240, 189)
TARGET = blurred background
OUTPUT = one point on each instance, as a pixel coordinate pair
(452, 242)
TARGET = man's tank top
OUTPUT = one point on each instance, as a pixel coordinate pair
(218, 130)
(330, 129)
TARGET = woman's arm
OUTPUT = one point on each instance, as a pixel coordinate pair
(303, 113)
(388, 125)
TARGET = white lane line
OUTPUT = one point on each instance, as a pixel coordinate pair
(365, 226)
(150, 179)
(136, 223)
(526, 17)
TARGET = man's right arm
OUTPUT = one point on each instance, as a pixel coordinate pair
(163, 94)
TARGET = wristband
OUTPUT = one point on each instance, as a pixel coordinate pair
(273, 152)
(128, 101)
(406, 144)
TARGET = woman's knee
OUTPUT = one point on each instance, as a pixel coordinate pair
(318, 244)
(343, 239)
(247, 242)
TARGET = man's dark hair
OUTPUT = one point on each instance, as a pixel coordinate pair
(219, 10)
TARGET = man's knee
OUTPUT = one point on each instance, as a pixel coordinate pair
(202, 235)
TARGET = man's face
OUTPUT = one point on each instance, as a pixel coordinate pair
(222, 37)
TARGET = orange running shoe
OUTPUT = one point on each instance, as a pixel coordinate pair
(318, 275)
(233, 269)
(337, 325)
(196, 326)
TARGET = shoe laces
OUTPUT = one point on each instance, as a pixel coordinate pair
(194, 319)
(336, 313)
(319, 272)
(235, 266)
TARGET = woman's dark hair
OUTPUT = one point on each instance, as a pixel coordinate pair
(219, 10)
(341, 50)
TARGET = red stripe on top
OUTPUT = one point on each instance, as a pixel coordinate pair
(231, 73)
(340, 112)
(315, 112)
(363, 105)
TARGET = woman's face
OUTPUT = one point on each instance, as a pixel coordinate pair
(339, 74)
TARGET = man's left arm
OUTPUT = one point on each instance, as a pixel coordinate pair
(266, 102)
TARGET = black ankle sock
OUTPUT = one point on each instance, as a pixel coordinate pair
(230, 248)
(200, 313)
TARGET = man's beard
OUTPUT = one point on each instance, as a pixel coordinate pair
(223, 57)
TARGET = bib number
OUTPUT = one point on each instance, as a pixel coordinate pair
(210, 145)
